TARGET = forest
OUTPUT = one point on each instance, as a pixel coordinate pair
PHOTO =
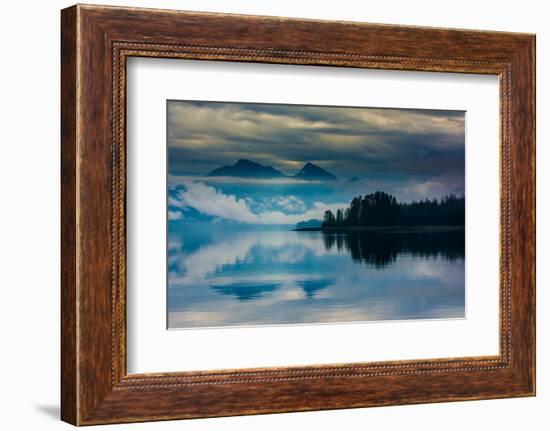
(382, 209)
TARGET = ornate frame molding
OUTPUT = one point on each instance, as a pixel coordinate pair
(96, 41)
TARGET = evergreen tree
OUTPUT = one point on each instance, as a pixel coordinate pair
(382, 209)
(328, 219)
(339, 217)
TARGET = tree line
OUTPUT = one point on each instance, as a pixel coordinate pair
(379, 249)
(382, 209)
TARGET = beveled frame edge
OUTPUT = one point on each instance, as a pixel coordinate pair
(96, 41)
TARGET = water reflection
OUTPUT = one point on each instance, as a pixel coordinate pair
(382, 248)
(246, 291)
(231, 277)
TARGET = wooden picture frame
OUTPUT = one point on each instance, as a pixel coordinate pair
(95, 43)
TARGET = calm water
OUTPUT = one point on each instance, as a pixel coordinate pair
(230, 277)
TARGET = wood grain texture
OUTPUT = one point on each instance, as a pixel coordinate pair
(96, 41)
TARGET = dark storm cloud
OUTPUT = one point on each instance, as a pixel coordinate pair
(394, 144)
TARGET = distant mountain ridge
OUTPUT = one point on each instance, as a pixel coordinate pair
(311, 172)
(244, 168)
(309, 224)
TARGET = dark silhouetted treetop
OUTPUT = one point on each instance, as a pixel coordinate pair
(382, 209)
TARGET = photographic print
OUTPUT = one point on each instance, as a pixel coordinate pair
(295, 214)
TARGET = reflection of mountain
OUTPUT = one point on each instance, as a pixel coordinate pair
(249, 169)
(246, 169)
(242, 277)
(246, 291)
(381, 249)
(310, 287)
(249, 291)
(311, 172)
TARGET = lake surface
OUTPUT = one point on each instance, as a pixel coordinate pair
(231, 276)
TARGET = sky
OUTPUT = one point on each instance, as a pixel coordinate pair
(412, 154)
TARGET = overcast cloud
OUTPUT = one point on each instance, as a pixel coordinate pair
(363, 142)
(412, 154)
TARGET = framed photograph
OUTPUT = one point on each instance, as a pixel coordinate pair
(265, 215)
(252, 244)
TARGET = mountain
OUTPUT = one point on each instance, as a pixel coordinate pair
(311, 172)
(311, 223)
(249, 169)
(354, 180)
(246, 169)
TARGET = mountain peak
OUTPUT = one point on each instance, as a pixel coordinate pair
(245, 162)
(311, 172)
(245, 168)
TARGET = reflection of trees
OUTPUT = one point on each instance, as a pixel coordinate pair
(381, 249)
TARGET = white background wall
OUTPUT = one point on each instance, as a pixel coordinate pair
(29, 215)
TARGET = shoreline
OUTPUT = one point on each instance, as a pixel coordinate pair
(389, 229)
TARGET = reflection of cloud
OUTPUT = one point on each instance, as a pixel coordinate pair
(426, 269)
(287, 277)
(290, 254)
(207, 259)
(200, 264)
(213, 202)
(291, 293)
